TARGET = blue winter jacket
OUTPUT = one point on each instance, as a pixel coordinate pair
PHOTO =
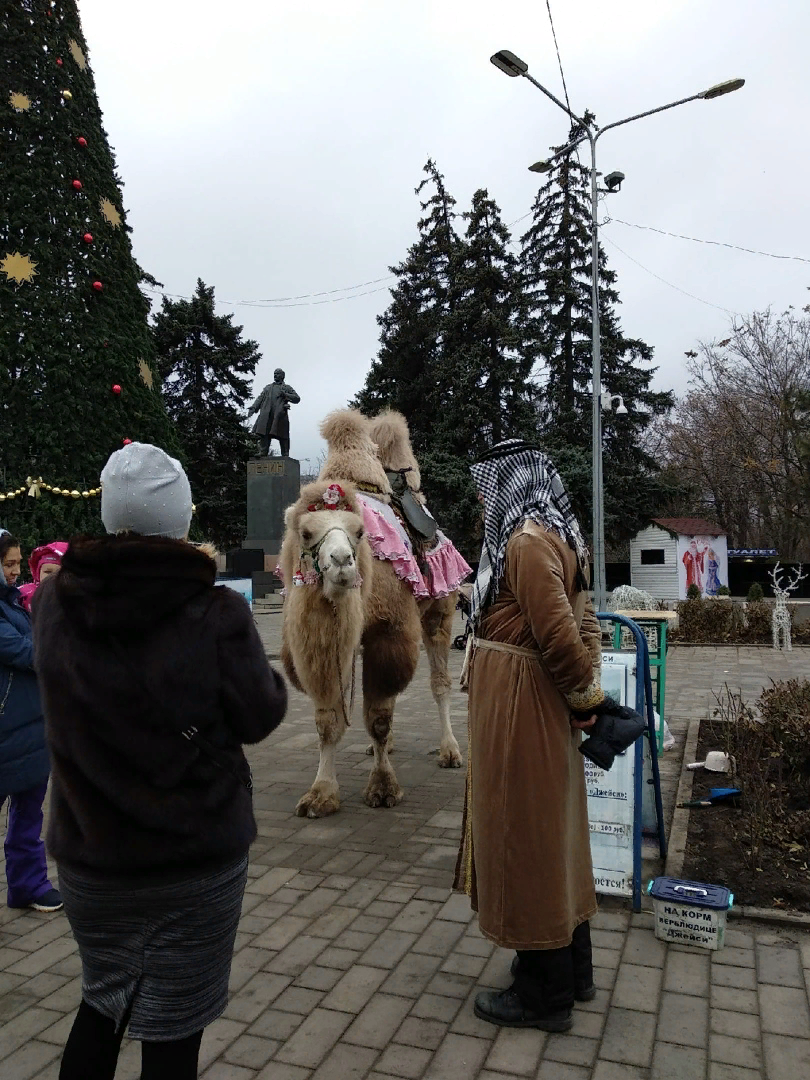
(23, 756)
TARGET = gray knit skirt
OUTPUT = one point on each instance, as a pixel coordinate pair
(160, 953)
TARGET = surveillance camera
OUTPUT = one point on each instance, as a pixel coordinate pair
(613, 181)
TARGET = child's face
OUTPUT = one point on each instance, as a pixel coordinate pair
(48, 570)
(12, 564)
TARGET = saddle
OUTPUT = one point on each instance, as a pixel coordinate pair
(417, 521)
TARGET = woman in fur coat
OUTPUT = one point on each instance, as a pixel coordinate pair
(152, 679)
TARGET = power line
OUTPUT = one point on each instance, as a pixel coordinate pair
(559, 59)
(699, 240)
(658, 277)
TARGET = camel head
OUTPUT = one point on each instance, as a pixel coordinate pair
(324, 532)
(352, 453)
(390, 432)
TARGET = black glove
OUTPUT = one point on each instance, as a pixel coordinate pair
(617, 727)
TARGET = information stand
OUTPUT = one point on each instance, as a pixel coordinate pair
(615, 798)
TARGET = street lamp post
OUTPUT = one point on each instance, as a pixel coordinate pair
(514, 67)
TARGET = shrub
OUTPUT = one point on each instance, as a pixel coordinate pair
(755, 593)
(724, 590)
(705, 621)
(693, 593)
(771, 750)
(757, 627)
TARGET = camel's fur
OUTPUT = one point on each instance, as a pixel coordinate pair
(320, 635)
(352, 453)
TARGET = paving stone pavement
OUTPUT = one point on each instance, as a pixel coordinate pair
(354, 961)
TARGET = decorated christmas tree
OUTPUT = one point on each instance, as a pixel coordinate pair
(78, 374)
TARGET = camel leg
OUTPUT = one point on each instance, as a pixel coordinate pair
(323, 798)
(390, 656)
(437, 629)
(383, 788)
(389, 747)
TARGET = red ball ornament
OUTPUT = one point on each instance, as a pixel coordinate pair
(97, 286)
(81, 140)
(77, 185)
(127, 442)
(59, 61)
(116, 389)
(88, 238)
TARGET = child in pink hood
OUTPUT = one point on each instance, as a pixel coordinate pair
(43, 561)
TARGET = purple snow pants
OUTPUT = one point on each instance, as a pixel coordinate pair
(26, 872)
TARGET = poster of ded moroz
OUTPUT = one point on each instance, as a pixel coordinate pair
(702, 561)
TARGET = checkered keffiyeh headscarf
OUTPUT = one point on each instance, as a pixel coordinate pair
(518, 484)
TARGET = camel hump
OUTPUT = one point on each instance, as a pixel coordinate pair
(343, 429)
(352, 453)
(390, 432)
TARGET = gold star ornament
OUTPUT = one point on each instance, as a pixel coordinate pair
(146, 373)
(77, 54)
(18, 268)
(19, 102)
(109, 213)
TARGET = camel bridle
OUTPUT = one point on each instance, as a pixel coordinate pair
(315, 548)
(313, 551)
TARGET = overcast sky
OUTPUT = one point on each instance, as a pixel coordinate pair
(272, 149)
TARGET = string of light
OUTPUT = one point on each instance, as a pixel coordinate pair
(700, 240)
(302, 300)
(664, 281)
(329, 296)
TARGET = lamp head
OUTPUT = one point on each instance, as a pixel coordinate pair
(510, 64)
(727, 87)
(541, 167)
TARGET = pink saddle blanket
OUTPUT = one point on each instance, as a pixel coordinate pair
(445, 566)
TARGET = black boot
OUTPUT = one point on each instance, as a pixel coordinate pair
(584, 989)
(541, 996)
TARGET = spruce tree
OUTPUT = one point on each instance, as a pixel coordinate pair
(207, 371)
(77, 363)
(556, 263)
(452, 356)
(484, 374)
(403, 374)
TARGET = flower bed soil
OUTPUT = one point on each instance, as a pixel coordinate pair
(715, 854)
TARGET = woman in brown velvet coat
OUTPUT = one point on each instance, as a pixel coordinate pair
(525, 859)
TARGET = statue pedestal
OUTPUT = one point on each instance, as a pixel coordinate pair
(273, 484)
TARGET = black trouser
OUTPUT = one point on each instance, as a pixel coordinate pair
(284, 445)
(92, 1051)
(582, 956)
(547, 979)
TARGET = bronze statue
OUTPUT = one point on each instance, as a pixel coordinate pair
(273, 406)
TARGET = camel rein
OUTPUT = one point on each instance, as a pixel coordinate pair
(346, 715)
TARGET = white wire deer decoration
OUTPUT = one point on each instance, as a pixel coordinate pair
(780, 620)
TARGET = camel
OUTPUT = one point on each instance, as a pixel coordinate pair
(341, 597)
